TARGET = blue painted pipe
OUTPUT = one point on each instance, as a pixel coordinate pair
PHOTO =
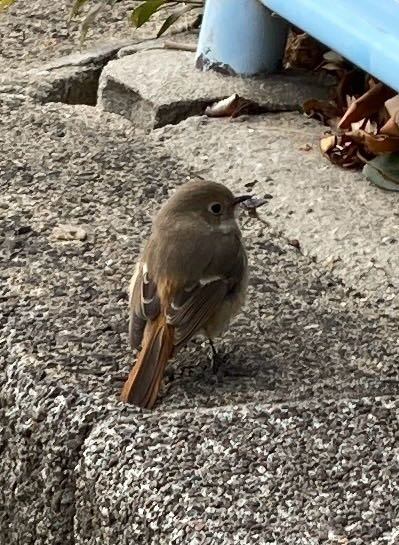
(240, 36)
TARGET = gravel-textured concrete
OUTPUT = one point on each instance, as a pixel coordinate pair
(60, 70)
(71, 79)
(348, 224)
(292, 443)
(154, 88)
(33, 32)
(307, 473)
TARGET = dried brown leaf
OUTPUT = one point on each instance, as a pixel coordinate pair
(371, 82)
(327, 143)
(341, 150)
(223, 108)
(359, 125)
(366, 105)
(232, 106)
(245, 106)
(332, 56)
(331, 67)
(392, 105)
(375, 144)
(391, 127)
(371, 127)
(352, 83)
(303, 51)
(322, 110)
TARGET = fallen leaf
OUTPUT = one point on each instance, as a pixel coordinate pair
(366, 105)
(332, 56)
(333, 62)
(331, 66)
(173, 17)
(323, 110)
(363, 114)
(375, 143)
(327, 143)
(303, 51)
(392, 105)
(223, 107)
(245, 106)
(341, 151)
(352, 83)
(391, 127)
(232, 106)
(143, 12)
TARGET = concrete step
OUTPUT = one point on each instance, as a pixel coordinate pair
(154, 88)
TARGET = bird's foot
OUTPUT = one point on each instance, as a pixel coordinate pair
(217, 359)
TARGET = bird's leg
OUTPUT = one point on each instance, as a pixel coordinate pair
(216, 359)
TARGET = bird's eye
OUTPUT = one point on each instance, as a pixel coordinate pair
(216, 208)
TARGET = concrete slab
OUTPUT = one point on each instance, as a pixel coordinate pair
(72, 79)
(289, 474)
(99, 56)
(154, 88)
(348, 225)
(32, 33)
(293, 441)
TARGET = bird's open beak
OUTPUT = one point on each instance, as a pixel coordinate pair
(241, 198)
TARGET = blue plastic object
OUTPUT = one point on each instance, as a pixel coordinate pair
(364, 31)
(240, 36)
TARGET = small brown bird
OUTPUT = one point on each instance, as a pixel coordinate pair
(191, 279)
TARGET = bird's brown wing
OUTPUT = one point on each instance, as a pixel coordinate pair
(187, 311)
(222, 274)
(144, 305)
(193, 306)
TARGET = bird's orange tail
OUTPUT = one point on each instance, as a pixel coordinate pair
(144, 381)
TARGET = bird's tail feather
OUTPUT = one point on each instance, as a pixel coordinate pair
(144, 381)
